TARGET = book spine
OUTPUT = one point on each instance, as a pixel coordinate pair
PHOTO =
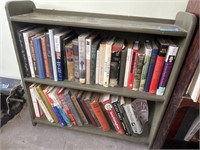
(53, 55)
(115, 69)
(97, 68)
(134, 122)
(42, 105)
(100, 116)
(122, 68)
(66, 109)
(36, 107)
(44, 52)
(78, 108)
(138, 71)
(148, 52)
(82, 56)
(60, 119)
(113, 117)
(49, 56)
(101, 62)
(23, 55)
(88, 59)
(33, 57)
(28, 53)
(128, 66)
(156, 74)
(39, 58)
(72, 108)
(70, 62)
(65, 117)
(169, 62)
(93, 64)
(76, 61)
(150, 69)
(59, 58)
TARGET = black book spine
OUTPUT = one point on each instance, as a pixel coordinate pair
(122, 67)
(49, 55)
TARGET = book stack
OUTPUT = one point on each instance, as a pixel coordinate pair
(88, 58)
(70, 107)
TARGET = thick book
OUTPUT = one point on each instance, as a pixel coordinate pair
(46, 92)
(37, 109)
(93, 61)
(168, 65)
(115, 102)
(148, 51)
(76, 59)
(39, 90)
(129, 49)
(133, 119)
(67, 96)
(64, 104)
(52, 32)
(97, 67)
(105, 100)
(163, 46)
(195, 126)
(117, 48)
(59, 50)
(39, 56)
(26, 35)
(86, 97)
(99, 113)
(136, 47)
(151, 66)
(138, 70)
(82, 57)
(74, 94)
(88, 48)
(107, 61)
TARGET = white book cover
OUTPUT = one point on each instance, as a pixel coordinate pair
(26, 36)
(52, 32)
(102, 49)
(97, 68)
(42, 105)
(195, 126)
(107, 61)
(82, 57)
(37, 109)
(128, 63)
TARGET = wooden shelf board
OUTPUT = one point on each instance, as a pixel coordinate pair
(143, 138)
(121, 91)
(105, 22)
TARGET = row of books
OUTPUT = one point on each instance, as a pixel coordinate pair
(60, 54)
(78, 108)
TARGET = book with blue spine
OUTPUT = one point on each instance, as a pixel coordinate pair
(39, 56)
(151, 66)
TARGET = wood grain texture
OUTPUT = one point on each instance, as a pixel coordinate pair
(185, 77)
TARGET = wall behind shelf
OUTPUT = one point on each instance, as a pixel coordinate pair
(144, 8)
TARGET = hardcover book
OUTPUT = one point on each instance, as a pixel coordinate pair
(76, 59)
(169, 62)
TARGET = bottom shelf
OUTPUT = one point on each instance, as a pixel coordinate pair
(143, 138)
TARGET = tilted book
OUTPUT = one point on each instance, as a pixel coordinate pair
(52, 32)
(163, 46)
(138, 69)
(129, 49)
(99, 113)
(93, 61)
(117, 48)
(169, 62)
(136, 47)
(82, 57)
(105, 100)
(151, 66)
(148, 51)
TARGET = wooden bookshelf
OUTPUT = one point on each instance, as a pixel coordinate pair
(23, 13)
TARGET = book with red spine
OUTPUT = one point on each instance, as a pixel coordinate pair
(105, 100)
(99, 113)
(163, 46)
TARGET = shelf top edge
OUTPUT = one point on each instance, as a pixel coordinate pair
(121, 91)
(102, 21)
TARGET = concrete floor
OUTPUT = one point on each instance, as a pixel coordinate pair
(19, 134)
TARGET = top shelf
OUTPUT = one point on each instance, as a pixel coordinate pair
(101, 21)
